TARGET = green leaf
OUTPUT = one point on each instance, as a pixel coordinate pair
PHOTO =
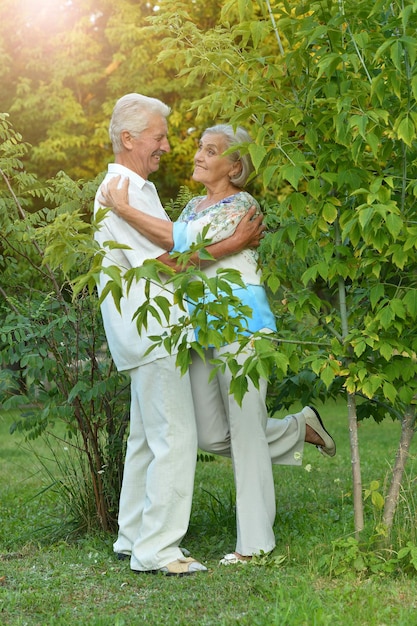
(238, 388)
(80, 386)
(163, 304)
(410, 45)
(116, 292)
(258, 32)
(397, 54)
(395, 224)
(359, 348)
(298, 203)
(302, 246)
(377, 500)
(281, 363)
(245, 10)
(195, 290)
(114, 273)
(386, 316)
(315, 188)
(399, 256)
(328, 64)
(263, 368)
(323, 269)
(365, 216)
(257, 154)
(273, 282)
(410, 302)
(397, 306)
(390, 392)
(403, 552)
(267, 174)
(309, 275)
(329, 212)
(406, 130)
(386, 350)
(373, 142)
(293, 174)
(377, 292)
(327, 376)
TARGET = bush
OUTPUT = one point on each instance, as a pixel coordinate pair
(54, 364)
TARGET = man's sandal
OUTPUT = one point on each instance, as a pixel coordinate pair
(181, 567)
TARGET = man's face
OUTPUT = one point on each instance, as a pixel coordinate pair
(145, 150)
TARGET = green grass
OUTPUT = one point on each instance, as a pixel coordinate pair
(77, 582)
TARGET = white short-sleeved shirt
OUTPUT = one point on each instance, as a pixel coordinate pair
(128, 347)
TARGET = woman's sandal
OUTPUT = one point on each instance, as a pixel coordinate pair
(234, 559)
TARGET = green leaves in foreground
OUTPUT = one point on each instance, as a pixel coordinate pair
(351, 559)
(211, 310)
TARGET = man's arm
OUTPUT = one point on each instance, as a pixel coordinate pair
(248, 233)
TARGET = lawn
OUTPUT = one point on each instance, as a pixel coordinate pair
(78, 581)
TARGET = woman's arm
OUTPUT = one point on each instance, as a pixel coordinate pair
(155, 229)
(248, 233)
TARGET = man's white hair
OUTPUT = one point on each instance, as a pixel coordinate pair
(132, 113)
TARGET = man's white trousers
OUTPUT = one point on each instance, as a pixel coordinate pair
(158, 479)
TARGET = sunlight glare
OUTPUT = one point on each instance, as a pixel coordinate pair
(43, 13)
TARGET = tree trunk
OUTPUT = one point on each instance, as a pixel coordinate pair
(356, 465)
(391, 501)
(352, 416)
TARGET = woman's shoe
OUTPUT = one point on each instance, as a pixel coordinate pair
(315, 422)
(234, 559)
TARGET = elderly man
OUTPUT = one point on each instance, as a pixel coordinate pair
(158, 480)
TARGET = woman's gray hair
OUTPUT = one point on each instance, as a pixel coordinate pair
(234, 137)
(132, 113)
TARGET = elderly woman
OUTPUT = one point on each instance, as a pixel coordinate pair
(243, 432)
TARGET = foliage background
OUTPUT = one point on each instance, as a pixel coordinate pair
(329, 93)
(63, 66)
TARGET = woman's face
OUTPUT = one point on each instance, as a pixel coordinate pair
(210, 167)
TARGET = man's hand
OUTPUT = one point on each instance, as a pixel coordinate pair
(249, 231)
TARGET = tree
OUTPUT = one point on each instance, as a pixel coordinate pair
(329, 91)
